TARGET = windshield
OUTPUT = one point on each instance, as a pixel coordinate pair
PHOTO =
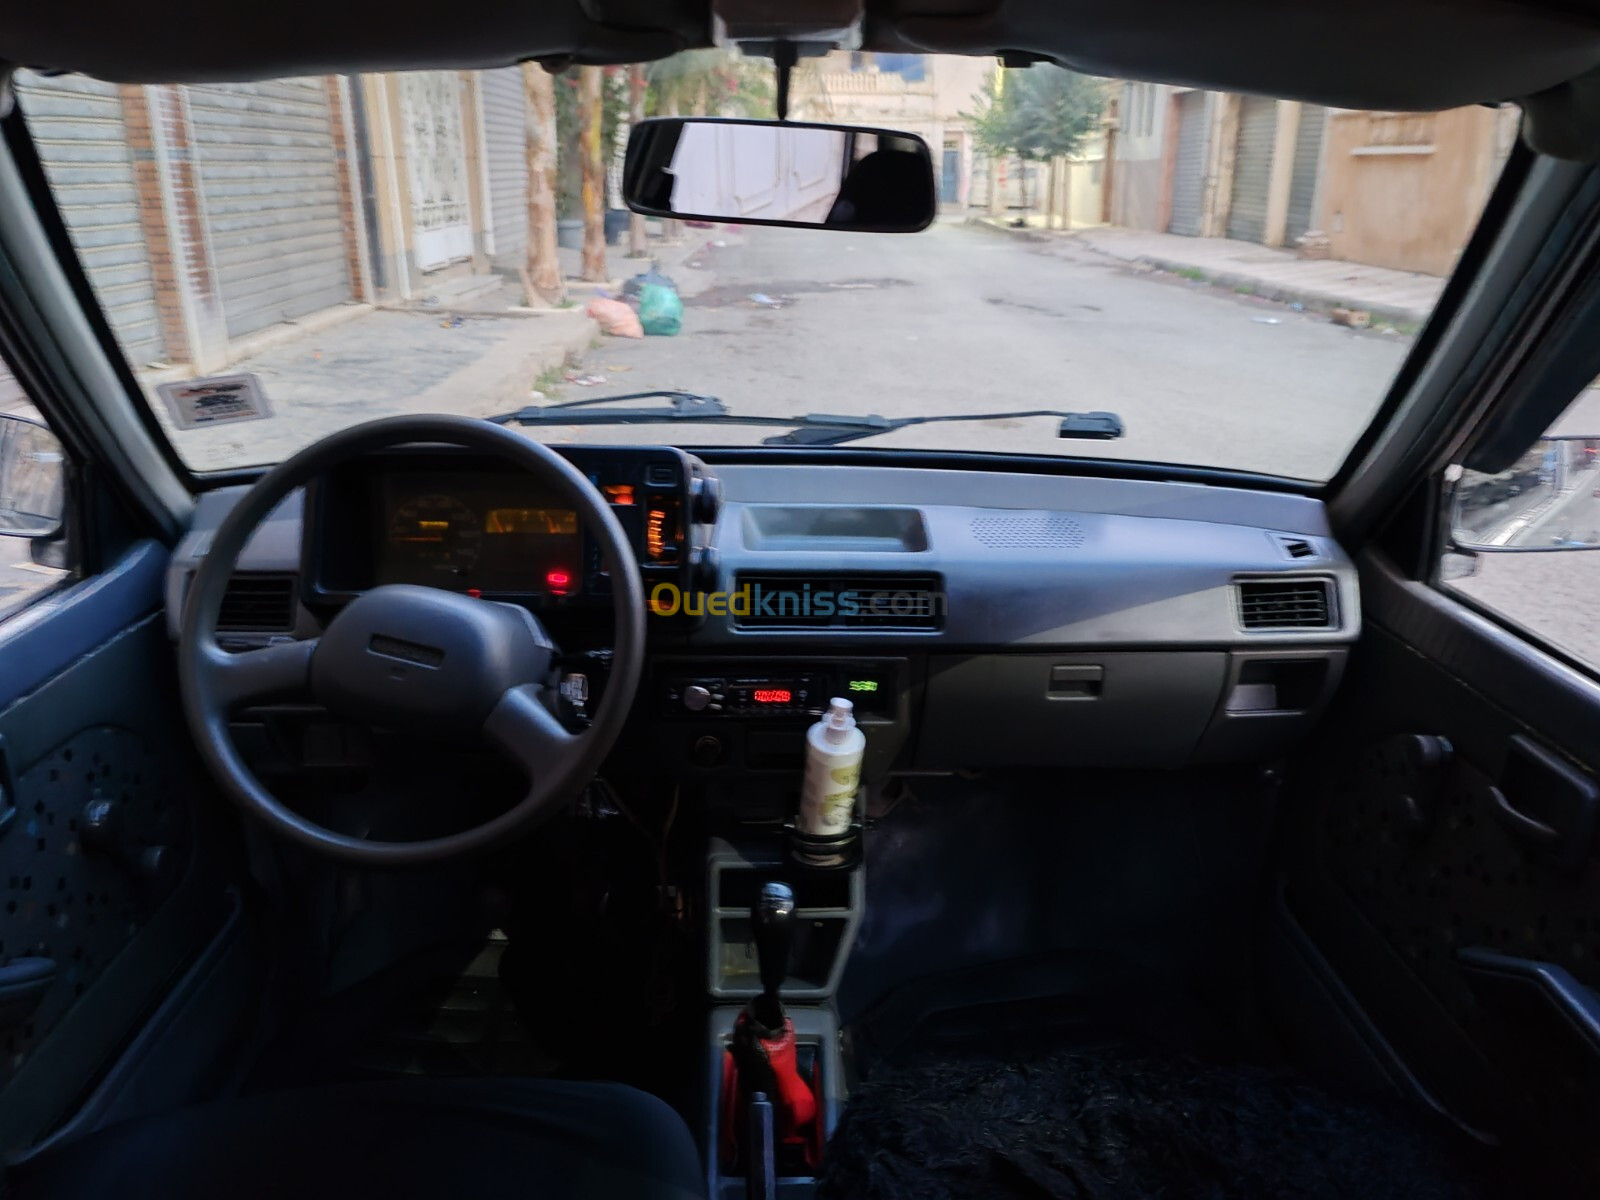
(1236, 279)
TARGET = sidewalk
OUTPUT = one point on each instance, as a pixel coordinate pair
(469, 347)
(1399, 297)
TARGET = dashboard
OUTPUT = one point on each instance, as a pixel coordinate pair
(979, 618)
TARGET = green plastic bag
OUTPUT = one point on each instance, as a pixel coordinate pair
(660, 310)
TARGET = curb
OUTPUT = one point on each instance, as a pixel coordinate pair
(502, 381)
(1313, 299)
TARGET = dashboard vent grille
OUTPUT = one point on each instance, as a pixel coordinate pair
(1027, 530)
(258, 604)
(843, 600)
(1285, 604)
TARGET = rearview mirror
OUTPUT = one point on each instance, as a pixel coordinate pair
(1548, 500)
(779, 173)
(32, 479)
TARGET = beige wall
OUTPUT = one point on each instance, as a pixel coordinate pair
(1145, 141)
(1404, 190)
(1137, 197)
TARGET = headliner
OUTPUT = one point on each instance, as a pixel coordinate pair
(1383, 54)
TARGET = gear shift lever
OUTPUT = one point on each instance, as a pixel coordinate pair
(762, 1067)
(772, 918)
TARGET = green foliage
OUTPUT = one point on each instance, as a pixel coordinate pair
(710, 83)
(1038, 112)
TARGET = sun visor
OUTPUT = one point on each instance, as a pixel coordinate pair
(1564, 121)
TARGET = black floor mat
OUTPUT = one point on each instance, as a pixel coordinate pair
(1128, 1124)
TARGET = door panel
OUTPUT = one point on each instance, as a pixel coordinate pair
(102, 889)
(1470, 941)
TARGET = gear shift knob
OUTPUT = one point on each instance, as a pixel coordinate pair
(772, 917)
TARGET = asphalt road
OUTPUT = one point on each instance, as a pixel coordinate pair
(963, 319)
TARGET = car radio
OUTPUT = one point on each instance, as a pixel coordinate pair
(744, 695)
(785, 693)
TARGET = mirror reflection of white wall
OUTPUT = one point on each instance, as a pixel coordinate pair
(765, 172)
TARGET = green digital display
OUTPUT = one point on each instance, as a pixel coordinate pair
(863, 685)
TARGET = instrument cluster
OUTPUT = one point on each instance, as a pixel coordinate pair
(456, 520)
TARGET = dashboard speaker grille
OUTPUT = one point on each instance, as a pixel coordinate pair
(1285, 603)
(1027, 530)
(840, 600)
(258, 604)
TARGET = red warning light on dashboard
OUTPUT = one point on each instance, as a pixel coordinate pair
(558, 581)
(772, 695)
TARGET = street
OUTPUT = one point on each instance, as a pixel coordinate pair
(966, 319)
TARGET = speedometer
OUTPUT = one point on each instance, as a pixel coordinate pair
(435, 532)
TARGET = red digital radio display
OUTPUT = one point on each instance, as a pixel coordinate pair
(773, 695)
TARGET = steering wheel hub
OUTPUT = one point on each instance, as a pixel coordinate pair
(424, 661)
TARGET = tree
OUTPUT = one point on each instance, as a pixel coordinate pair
(1040, 113)
(544, 267)
(710, 83)
(591, 157)
(636, 90)
(1056, 110)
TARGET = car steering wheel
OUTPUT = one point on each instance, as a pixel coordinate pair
(413, 659)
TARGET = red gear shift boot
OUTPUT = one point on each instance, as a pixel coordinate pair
(762, 1059)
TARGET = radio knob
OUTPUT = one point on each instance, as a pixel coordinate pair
(696, 697)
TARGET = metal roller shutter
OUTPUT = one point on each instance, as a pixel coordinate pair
(1189, 168)
(77, 124)
(505, 140)
(269, 182)
(1307, 167)
(1252, 168)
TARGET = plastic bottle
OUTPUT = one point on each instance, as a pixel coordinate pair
(833, 771)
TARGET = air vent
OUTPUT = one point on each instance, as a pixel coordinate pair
(1296, 547)
(1285, 603)
(846, 600)
(258, 604)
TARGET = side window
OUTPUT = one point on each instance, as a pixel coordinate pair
(34, 553)
(1527, 541)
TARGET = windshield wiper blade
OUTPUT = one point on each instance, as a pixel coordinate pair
(810, 429)
(831, 429)
(685, 406)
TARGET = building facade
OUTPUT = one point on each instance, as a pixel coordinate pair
(1399, 190)
(925, 94)
(211, 218)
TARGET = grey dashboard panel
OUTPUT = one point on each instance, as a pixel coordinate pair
(1035, 560)
(1087, 622)
(1025, 560)
(1146, 709)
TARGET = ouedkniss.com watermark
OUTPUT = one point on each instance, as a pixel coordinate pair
(799, 601)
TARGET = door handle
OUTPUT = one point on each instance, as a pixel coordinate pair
(23, 983)
(1521, 825)
(1546, 802)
